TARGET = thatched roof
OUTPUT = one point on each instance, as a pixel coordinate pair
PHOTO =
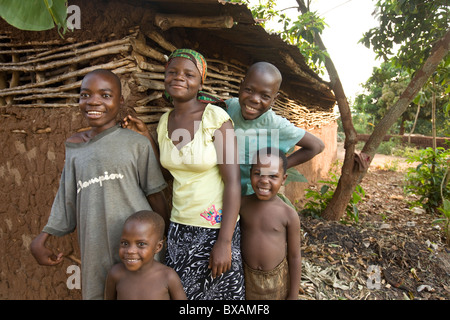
(132, 38)
(252, 40)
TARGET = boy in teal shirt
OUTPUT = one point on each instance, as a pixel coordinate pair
(258, 126)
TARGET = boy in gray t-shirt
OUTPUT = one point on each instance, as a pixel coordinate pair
(109, 173)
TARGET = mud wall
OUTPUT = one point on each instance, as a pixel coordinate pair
(30, 167)
(318, 167)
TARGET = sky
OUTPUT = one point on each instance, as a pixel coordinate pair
(347, 20)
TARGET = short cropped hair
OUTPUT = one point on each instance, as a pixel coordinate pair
(267, 68)
(150, 217)
(109, 73)
(272, 151)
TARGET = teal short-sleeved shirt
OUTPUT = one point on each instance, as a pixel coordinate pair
(268, 130)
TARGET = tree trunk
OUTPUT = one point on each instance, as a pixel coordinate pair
(351, 176)
(348, 179)
(402, 125)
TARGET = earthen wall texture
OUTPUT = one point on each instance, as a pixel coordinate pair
(317, 168)
(30, 168)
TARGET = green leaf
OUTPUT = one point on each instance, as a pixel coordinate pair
(324, 189)
(294, 176)
(58, 12)
(34, 15)
(446, 205)
(356, 197)
(355, 214)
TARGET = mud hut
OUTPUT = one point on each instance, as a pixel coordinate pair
(40, 74)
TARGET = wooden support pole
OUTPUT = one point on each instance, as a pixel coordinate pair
(63, 88)
(40, 77)
(140, 47)
(72, 99)
(167, 21)
(40, 97)
(24, 89)
(2, 86)
(155, 95)
(151, 67)
(14, 78)
(159, 39)
(58, 63)
(151, 109)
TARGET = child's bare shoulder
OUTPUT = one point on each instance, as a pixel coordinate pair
(290, 212)
(166, 272)
(117, 271)
(160, 267)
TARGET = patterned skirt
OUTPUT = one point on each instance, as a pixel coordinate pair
(188, 250)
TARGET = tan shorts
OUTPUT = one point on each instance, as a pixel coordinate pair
(267, 285)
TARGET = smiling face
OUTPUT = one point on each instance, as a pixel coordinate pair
(258, 92)
(100, 99)
(267, 176)
(182, 80)
(139, 243)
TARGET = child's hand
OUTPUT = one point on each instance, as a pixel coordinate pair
(135, 124)
(220, 258)
(42, 254)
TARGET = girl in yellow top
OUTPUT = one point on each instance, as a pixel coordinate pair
(197, 146)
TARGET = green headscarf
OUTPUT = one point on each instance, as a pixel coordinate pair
(200, 62)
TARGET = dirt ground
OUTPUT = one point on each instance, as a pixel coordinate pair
(392, 253)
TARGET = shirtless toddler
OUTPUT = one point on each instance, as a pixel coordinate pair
(270, 237)
(139, 276)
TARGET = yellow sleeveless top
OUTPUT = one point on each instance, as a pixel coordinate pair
(197, 187)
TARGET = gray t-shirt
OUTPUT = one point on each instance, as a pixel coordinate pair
(103, 182)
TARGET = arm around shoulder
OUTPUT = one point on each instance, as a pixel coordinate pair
(159, 204)
(311, 142)
(310, 146)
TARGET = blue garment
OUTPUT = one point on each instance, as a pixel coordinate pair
(268, 130)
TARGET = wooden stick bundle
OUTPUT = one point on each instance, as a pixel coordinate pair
(48, 75)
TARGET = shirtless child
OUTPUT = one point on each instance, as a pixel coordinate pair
(139, 276)
(270, 237)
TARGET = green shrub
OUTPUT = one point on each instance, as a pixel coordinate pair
(445, 219)
(321, 198)
(425, 180)
(388, 147)
(406, 151)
